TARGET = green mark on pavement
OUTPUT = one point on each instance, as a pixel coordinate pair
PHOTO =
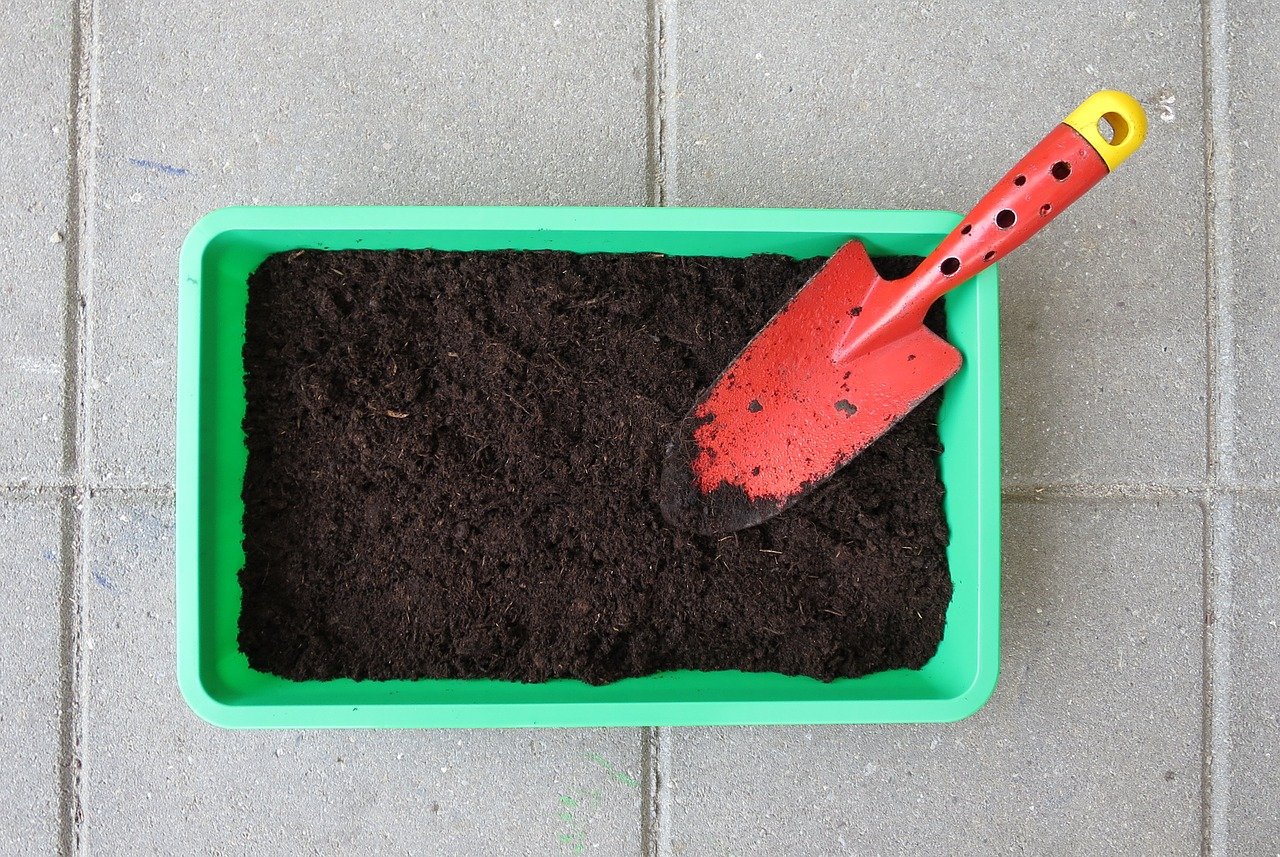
(577, 831)
(613, 772)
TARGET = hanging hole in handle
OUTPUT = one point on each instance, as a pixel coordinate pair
(949, 266)
(1107, 131)
(1006, 218)
(1114, 128)
(1060, 171)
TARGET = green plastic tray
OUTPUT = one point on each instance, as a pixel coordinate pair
(225, 246)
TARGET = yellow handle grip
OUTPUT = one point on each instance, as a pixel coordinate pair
(1125, 116)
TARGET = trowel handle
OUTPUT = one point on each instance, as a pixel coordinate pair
(1071, 159)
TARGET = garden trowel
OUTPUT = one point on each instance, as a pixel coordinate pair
(849, 356)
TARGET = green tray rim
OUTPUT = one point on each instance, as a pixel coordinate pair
(356, 227)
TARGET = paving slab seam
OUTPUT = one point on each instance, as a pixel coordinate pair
(661, 108)
(1102, 492)
(1219, 565)
(661, 103)
(81, 175)
(73, 306)
(49, 490)
(22, 493)
(656, 803)
(70, 815)
(1266, 491)
(1219, 250)
(1139, 492)
(1219, 506)
(647, 790)
(653, 105)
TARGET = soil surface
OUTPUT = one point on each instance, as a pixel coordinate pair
(453, 472)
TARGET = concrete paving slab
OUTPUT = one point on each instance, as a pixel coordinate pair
(159, 780)
(1254, 67)
(35, 65)
(1091, 744)
(30, 637)
(921, 104)
(216, 103)
(1252, 711)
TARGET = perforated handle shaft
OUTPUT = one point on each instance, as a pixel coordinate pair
(1060, 169)
(1055, 173)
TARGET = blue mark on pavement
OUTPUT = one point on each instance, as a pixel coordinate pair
(103, 581)
(167, 169)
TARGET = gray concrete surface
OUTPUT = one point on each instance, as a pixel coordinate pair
(1251, 706)
(1251, 204)
(1137, 709)
(34, 60)
(30, 682)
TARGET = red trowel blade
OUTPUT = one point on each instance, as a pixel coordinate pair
(835, 369)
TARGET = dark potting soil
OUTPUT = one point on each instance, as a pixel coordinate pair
(453, 472)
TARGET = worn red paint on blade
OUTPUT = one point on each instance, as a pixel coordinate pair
(816, 386)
